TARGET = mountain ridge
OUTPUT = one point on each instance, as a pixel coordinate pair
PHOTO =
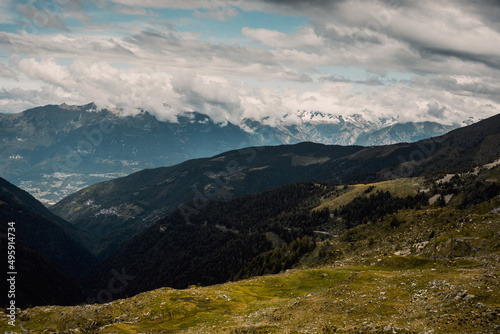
(44, 251)
(52, 237)
(55, 150)
(123, 207)
(397, 264)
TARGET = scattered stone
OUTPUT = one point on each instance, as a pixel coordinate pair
(450, 295)
(388, 328)
(133, 321)
(438, 283)
(495, 210)
(469, 297)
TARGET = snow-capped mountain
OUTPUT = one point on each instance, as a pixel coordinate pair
(54, 150)
(335, 129)
(328, 118)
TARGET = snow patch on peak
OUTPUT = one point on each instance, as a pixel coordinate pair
(319, 117)
(357, 120)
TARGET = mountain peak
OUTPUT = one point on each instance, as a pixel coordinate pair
(86, 107)
(193, 117)
(319, 117)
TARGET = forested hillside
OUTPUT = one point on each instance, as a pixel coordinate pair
(416, 266)
(119, 209)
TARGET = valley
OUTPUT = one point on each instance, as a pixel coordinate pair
(55, 150)
(435, 272)
(309, 237)
(123, 207)
(249, 167)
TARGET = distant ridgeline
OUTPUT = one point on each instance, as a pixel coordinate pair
(242, 213)
(116, 210)
(55, 150)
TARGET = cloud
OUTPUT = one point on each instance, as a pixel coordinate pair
(435, 31)
(434, 109)
(218, 13)
(47, 70)
(131, 89)
(283, 7)
(17, 99)
(487, 10)
(175, 4)
(168, 49)
(447, 53)
(128, 10)
(231, 100)
(6, 12)
(7, 72)
(305, 38)
(424, 37)
(75, 9)
(217, 97)
(42, 17)
(372, 81)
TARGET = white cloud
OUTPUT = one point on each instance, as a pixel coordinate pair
(168, 49)
(15, 100)
(42, 17)
(179, 4)
(218, 13)
(47, 70)
(128, 10)
(7, 72)
(6, 15)
(231, 99)
(305, 38)
(450, 50)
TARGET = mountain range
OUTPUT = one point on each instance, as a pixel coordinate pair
(241, 213)
(55, 150)
(116, 210)
(409, 267)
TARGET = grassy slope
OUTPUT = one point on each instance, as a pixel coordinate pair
(315, 299)
(373, 278)
(400, 187)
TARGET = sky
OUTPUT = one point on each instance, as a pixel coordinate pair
(263, 59)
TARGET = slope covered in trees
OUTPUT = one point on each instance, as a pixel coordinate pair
(119, 209)
(434, 271)
(215, 244)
